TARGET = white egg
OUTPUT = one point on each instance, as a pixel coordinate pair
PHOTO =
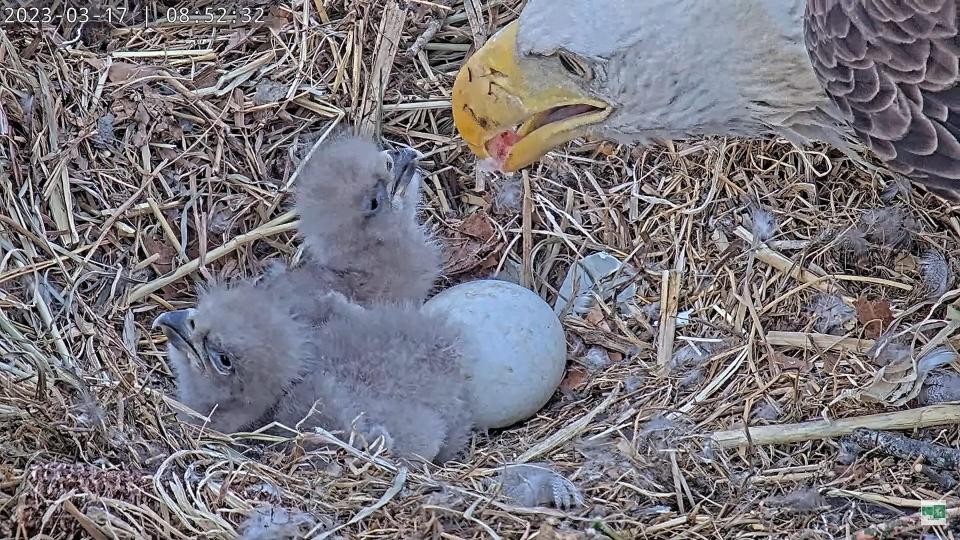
(514, 346)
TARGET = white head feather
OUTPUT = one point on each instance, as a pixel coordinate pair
(677, 68)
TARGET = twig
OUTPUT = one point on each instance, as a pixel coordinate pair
(398, 483)
(933, 415)
(526, 273)
(88, 525)
(822, 342)
(478, 27)
(280, 225)
(431, 30)
(903, 447)
(901, 527)
(567, 433)
(391, 26)
(790, 268)
(944, 479)
(669, 306)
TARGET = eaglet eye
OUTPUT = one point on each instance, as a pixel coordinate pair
(219, 360)
(574, 65)
(375, 199)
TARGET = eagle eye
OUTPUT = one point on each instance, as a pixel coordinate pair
(574, 65)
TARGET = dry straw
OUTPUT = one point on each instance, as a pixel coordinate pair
(138, 162)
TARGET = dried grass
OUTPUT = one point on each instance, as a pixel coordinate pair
(135, 167)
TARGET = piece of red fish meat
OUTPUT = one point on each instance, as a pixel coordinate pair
(499, 146)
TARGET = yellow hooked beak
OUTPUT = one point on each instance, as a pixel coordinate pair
(494, 94)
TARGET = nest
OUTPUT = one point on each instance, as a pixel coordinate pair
(142, 159)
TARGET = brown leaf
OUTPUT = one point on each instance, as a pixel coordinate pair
(123, 109)
(478, 226)
(206, 78)
(460, 256)
(277, 19)
(167, 253)
(595, 315)
(549, 532)
(830, 363)
(789, 363)
(574, 379)
(606, 149)
(874, 315)
(142, 115)
(873, 310)
(491, 260)
(121, 72)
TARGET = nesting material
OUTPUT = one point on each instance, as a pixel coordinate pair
(276, 523)
(830, 315)
(536, 484)
(141, 160)
(597, 275)
(901, 378)
(940, 387)
(935, 275)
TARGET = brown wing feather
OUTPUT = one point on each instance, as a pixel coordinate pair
(891, 66)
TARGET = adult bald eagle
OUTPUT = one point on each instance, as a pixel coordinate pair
(881, 71)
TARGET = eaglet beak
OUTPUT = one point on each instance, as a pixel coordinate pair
(177, 326)
(494, 94)
(179, 322)
(403, 168)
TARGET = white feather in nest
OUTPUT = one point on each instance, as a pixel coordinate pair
(537, 484)
(276, 523)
